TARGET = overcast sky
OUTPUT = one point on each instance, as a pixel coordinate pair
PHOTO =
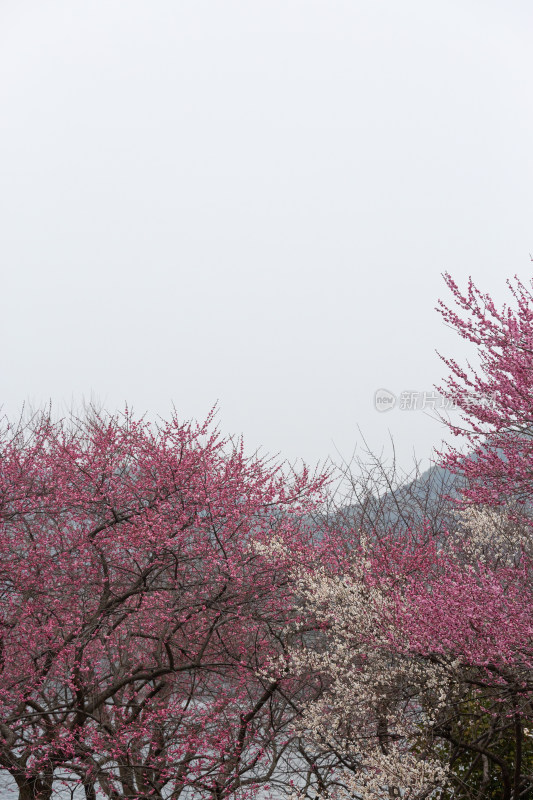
(252, 203)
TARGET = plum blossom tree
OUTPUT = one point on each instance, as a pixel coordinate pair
(172, 624)
(419, 635)
(496, 399)
(137, 607)
(427, 635)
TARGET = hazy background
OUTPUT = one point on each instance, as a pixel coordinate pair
(252, 203)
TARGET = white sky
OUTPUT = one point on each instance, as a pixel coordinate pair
(252, 202)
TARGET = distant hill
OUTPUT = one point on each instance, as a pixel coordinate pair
(407, 504)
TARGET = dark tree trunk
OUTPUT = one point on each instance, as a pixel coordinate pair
(90, 791)
(35, 788)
